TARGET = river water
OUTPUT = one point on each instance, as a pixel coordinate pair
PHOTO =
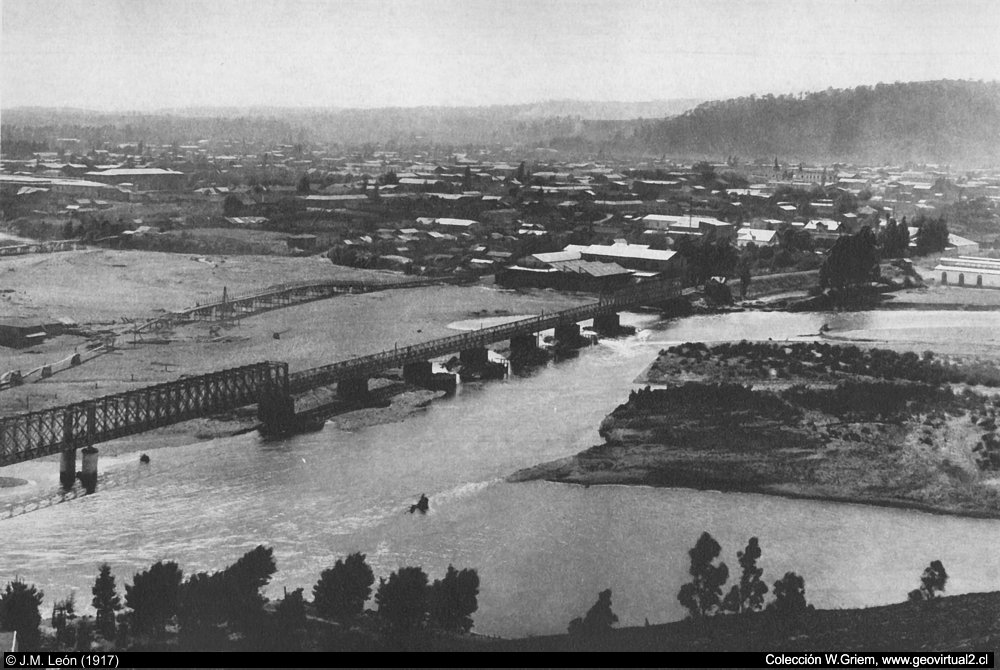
(543, 550)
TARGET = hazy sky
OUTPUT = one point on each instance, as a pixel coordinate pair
(150, 54)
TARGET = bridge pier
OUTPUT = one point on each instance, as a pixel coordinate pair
(608, 324)
(88, 475)
(354, 389)
(522, 346)
(568, 334)
(67, 469)
(477, 357)
(275, 404)
(418, 373)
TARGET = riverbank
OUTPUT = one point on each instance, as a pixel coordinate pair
(957, 623)
(804, 420)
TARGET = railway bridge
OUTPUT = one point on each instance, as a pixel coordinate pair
(64, 430)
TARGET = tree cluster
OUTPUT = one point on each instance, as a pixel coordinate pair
(932, 234)
(852, 262)
(407, 602)
(702, 596)
(707, 257)
(932, 582)
(894, 239)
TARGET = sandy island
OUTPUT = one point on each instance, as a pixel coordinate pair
(810, 420)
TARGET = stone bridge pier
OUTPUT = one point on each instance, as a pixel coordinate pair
(568, 334)
(276, 410)
(477, 357)
(608, 324)
(522, 346)
(67, 469)
(419, 373)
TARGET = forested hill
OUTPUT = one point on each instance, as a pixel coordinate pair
(954, 122)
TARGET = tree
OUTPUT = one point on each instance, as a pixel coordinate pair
(106, 602)
(599, 618)
(521, 173)
(342, 590)
(20, 611)
(852, 262)
(931, 582)
(63, 614)
(201, 611)
(744, 269)
(748, 595)
(789, 595)
(210, 601)
(153, 596)
(702, 595)
(303, 186)
(932, 235)
(290, 621)
(232, 206)
(402, 600)
(453, 600)
(252, 572)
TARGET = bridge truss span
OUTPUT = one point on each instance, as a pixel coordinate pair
(51, 431)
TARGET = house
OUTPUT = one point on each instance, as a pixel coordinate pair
(303, 242)
(17, 333)
(824, 229)
(451, 225)
(650, 189)
(758, 236)
(959, 246)
(688, 225)
(568, 273)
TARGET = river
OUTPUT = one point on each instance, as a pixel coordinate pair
(543, 550)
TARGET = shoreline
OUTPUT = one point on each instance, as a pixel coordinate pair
(723, 486)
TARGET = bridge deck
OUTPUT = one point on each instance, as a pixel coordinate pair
(365, 366)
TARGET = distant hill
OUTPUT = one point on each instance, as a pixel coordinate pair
(955, 122)
(529, 124)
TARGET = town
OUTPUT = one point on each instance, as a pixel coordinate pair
(526, 218)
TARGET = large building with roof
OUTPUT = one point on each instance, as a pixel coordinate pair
(688, 225)
(969, 271)
(594, 267)
(634, 257)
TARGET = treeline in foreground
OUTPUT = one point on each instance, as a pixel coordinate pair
(225, 611)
